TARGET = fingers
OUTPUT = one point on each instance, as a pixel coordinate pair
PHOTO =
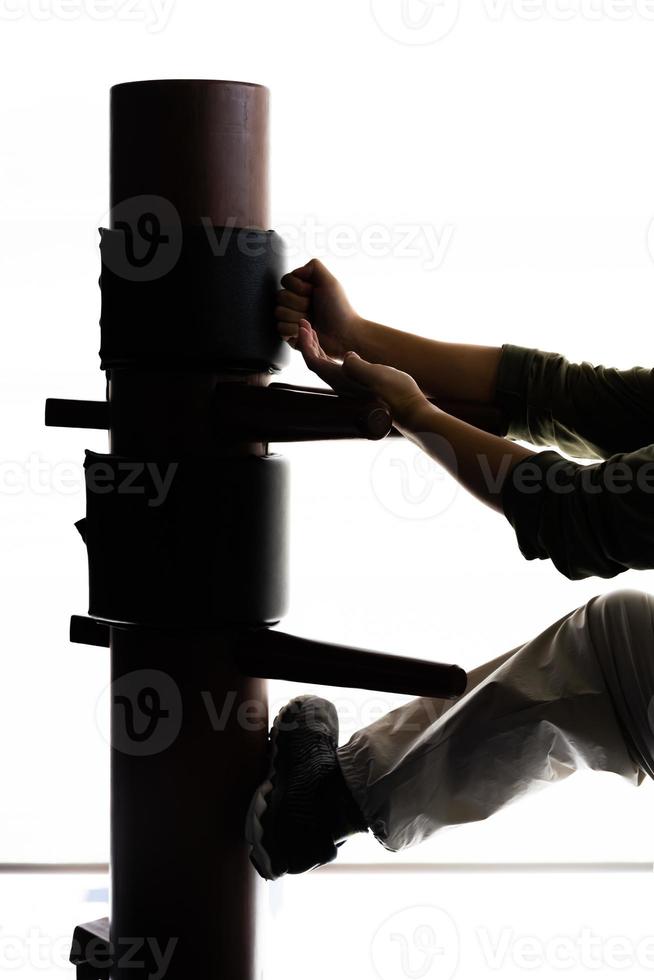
(288, 332)
(287, 322)
(286, 299)
(290, 307)
(293, 303)
(307, 343)
(313, 272)
(322, 364)
(295, 284)
(294, 299)
(313, 342)
(314, 357)
(363, 372)
(284, 315)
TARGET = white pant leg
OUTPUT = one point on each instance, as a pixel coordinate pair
(622, 631)
(528, 718)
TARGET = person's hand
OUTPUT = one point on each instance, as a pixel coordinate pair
(354, 376)
(312, 291)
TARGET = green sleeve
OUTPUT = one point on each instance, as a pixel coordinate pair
(595, 519)
(587, 411)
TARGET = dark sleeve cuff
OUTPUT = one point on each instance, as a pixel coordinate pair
(512, 389)
(523, 499)
(589, 520)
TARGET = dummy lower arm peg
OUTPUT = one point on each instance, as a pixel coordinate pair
(280, 413)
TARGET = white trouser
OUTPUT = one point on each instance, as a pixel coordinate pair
(530, 717)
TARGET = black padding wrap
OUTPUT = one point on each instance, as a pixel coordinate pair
(190, 542)
(190, 296)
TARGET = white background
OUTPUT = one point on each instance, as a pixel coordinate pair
(515, 142)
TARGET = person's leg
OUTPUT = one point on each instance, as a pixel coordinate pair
(621, 626)
(527, 719)
(304, 808)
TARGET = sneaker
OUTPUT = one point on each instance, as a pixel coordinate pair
(302, 812)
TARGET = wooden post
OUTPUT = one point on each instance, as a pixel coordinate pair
(180, 873)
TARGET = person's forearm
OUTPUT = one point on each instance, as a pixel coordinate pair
(444, 371)
(480, 462)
